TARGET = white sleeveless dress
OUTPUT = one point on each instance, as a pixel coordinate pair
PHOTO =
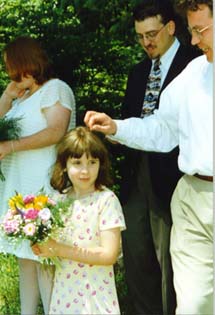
(28, 171)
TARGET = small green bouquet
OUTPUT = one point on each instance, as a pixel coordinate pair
(10, 129)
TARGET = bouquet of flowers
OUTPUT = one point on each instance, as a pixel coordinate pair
(9, 130)
(34, 218)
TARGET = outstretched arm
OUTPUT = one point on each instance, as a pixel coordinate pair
(105, 254)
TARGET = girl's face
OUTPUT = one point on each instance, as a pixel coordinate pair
(83, 173)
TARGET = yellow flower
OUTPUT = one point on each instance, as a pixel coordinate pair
(16, 201)
(29, 206)
(40, 202)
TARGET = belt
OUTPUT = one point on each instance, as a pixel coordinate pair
(207, 178)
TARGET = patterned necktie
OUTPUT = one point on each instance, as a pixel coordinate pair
(152, 90)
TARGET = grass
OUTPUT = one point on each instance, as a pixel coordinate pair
(9, 286)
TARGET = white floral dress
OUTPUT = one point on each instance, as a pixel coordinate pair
(28, 171)
(81, 288)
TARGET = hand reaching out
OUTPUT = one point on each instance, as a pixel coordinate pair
(101, 122)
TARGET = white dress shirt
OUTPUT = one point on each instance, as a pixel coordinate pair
(167, 58)
(184, 118)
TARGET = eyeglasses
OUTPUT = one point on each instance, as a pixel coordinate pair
(198, 32)
(151, 35)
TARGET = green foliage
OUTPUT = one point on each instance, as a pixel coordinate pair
(9, 128)
(9, 290)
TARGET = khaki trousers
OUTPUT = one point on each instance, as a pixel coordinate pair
(191, 246)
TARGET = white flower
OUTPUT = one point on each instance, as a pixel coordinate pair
(29, 229)
(45, 214)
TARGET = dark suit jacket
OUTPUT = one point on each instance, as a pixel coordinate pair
(163, 167)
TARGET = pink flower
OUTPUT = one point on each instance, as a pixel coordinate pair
(51, 202)
(28, 199)
(68, 276)
(80, 293)
(29, 229)
(45, 214)
(11, 226)
(9, 216)
(81, 265)
(31, 214)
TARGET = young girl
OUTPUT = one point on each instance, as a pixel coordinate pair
(89, 244)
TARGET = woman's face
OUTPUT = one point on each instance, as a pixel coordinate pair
(27, 82)
(23, 82)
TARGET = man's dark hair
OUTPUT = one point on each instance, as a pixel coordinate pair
(151, 8)
(182, 6)
(167, 12)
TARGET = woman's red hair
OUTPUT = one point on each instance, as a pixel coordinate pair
(25, 56)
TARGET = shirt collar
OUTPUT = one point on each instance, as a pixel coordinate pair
(169, 55)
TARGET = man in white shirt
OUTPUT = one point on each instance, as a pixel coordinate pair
(184, 118)
(148, 179)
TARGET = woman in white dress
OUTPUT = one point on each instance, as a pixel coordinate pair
(46, 106)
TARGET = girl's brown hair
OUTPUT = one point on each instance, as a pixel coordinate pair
(25, 56)
(74, 144)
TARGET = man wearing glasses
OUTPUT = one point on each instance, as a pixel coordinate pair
(184, 118)
(148, 179)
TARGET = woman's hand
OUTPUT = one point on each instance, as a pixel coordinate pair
(12, 91)
(46, 249)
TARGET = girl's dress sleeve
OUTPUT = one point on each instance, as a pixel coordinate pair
(111, 215)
